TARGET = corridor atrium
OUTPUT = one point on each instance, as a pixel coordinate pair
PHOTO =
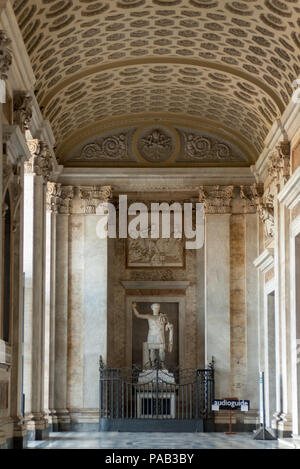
(110, 110)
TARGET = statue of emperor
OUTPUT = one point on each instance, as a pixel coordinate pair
(158, 323)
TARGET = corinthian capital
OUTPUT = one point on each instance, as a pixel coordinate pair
(53, 196)
(216, 199)
(66, 194)
(5, 55)
(246, 194)
(93, 196)
(279, 164)
(265, 207)
(22, 110)
(41, 161)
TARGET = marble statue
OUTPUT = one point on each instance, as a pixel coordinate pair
(158, 324)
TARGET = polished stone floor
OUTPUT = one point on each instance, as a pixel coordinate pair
(114, 440)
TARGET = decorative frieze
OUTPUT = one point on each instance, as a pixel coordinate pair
(22, 110)
(111, 147)
(201, 147)
(5, 55)
(216, 199)
(157, 144)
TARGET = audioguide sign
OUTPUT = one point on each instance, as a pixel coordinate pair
(231, 404)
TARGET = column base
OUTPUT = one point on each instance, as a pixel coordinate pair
(84, 420)
(62, 421)
(2, 439)
(20, 434)
(52, 421)
(283, 425)
(37, 427)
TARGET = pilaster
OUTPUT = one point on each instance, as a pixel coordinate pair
(217, 205)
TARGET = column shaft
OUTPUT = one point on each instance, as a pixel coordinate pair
(61, 321)
(75, 313)
(38, 310)
(217, 298)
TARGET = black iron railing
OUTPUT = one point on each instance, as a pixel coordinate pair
(131, 393)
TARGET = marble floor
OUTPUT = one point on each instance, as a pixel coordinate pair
(114, 440)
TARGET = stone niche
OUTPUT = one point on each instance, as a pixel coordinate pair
(137, 329)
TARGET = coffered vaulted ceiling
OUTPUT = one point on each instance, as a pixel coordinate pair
(224, 67)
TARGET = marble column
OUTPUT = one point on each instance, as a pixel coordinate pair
(251, 307)
(285, 319)
(49, 326)
(60, 337)
(28, 285)
(95, 335)
(37, 305)
(87, 306)
(295, 330)
(266, 330)
(279, 169)
(270, 357)
(6, 62)
(54, 192)
(278, 355)
(217, 202)
(289, 197)
(200, 318)
(35, 325)
(75, 307)
(17, 310)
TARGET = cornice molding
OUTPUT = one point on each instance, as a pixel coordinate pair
(21, 75)
(283, 129)
(290, 194)
(265, 261)
(156, 179)
(39, 127)
(155, 284)
(5, 353)
(16, 145)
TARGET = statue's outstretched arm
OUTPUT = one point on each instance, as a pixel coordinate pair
(137, 314)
